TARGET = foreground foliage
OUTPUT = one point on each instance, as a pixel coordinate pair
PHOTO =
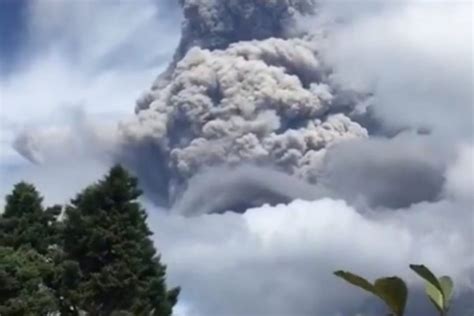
(106, 234)
(24, 278)
(394, 292)
(25, 222)
(439, 290)
(97, 260)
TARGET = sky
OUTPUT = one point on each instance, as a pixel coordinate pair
(71, 70)
(65, 62)
(11, 19)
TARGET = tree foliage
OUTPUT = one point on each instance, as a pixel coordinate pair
(27, 233)
(106, 234)
(24, 283)
(25, 222)
(98, 259)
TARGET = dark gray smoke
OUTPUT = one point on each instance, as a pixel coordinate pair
(215, 24)
(238, 189)
(392, 173)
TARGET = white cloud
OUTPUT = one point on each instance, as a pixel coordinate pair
(460, 176)
(279, 260)
(416, 56)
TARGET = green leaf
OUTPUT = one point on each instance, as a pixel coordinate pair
(427, 275)
(356, 280)
(435, 296)
(394, 292)
(447, 286)
(439, 290)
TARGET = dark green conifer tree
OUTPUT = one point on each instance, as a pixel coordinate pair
(106, 237)
(25, 222)
(28, 233)
(24, 274)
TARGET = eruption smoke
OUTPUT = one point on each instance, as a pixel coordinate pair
(240, 92)
(250, 96)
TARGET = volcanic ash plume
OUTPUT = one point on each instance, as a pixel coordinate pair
(267, 101)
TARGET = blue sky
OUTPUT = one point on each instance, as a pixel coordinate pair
(12, 32)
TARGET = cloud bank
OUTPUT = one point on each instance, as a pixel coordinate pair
(354, 125)
(279, 260)
(415, 55)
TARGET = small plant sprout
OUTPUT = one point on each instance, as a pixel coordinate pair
(439, 290)
(392, 290)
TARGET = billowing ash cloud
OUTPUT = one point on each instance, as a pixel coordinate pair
(265, 101)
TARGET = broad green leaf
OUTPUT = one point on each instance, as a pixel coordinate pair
(435, 296)
(447, 287)
(393, 291)
(427, 275)
(435, 304)
(356, 280)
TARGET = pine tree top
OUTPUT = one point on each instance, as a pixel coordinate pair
(26, 222)
(24, 199)
(106, 233)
